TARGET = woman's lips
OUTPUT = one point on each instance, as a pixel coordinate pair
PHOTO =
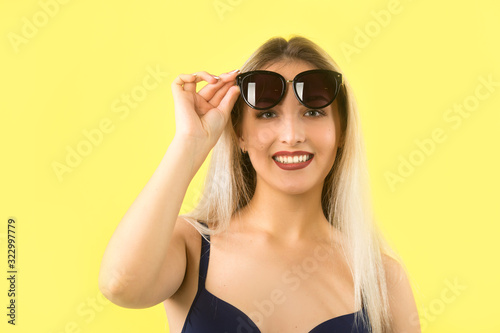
(293, 166)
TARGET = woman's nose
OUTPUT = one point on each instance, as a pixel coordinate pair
(292, 129)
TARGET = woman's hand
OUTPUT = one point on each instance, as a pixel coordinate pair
(203, 115)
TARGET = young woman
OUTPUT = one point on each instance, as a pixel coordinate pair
(283, 238)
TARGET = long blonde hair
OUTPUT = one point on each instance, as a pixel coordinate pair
(346, 201)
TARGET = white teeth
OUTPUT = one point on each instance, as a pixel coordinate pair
(294, 159)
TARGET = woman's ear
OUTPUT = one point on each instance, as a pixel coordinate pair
(241, 143)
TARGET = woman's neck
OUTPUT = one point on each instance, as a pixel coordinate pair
(289, 217)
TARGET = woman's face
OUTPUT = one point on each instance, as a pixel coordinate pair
(291, 127)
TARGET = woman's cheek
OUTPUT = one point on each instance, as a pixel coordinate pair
(328, 134)
(263, 138)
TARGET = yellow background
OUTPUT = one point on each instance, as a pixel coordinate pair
(68, 75)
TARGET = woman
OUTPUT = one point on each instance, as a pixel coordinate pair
(288, 239)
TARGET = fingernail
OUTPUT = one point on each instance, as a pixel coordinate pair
(236, 70)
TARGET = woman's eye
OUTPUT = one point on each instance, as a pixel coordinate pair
(272, 114)
(317, 113)
(265, 115)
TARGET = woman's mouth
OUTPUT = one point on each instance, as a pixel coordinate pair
(293, 162)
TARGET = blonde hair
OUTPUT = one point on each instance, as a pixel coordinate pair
(346, 201)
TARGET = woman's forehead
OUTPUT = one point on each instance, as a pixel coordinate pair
(294, 65)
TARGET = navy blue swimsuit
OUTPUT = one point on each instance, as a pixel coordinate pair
(210, 314)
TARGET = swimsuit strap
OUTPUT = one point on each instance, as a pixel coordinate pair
(204, 257)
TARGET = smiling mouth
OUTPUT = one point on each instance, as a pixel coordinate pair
(292, 159)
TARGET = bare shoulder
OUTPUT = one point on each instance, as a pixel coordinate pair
(394, 271)
(187, 233)
(177, 303)
(401, 300)
(178, 259)
(185, 229)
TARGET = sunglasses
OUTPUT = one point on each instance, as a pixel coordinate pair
(314, 89)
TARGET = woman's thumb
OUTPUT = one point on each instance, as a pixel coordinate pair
(216, 119)
(227, 103)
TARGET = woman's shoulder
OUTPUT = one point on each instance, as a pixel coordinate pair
(401, 299)
(394, 270)
(186, 230)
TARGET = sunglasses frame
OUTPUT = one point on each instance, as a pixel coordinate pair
(339, 80)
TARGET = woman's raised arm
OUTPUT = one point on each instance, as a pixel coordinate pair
(143, 242)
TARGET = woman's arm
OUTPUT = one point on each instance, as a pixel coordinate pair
(142, 240)
(144, 243)
(401, 300)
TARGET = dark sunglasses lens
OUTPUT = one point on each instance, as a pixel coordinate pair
(262, 90)
(316, 90)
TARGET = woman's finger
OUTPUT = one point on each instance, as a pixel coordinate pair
(187, 82)
(215, 119)
(219, 94)
(208, 91)
(227, 103)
